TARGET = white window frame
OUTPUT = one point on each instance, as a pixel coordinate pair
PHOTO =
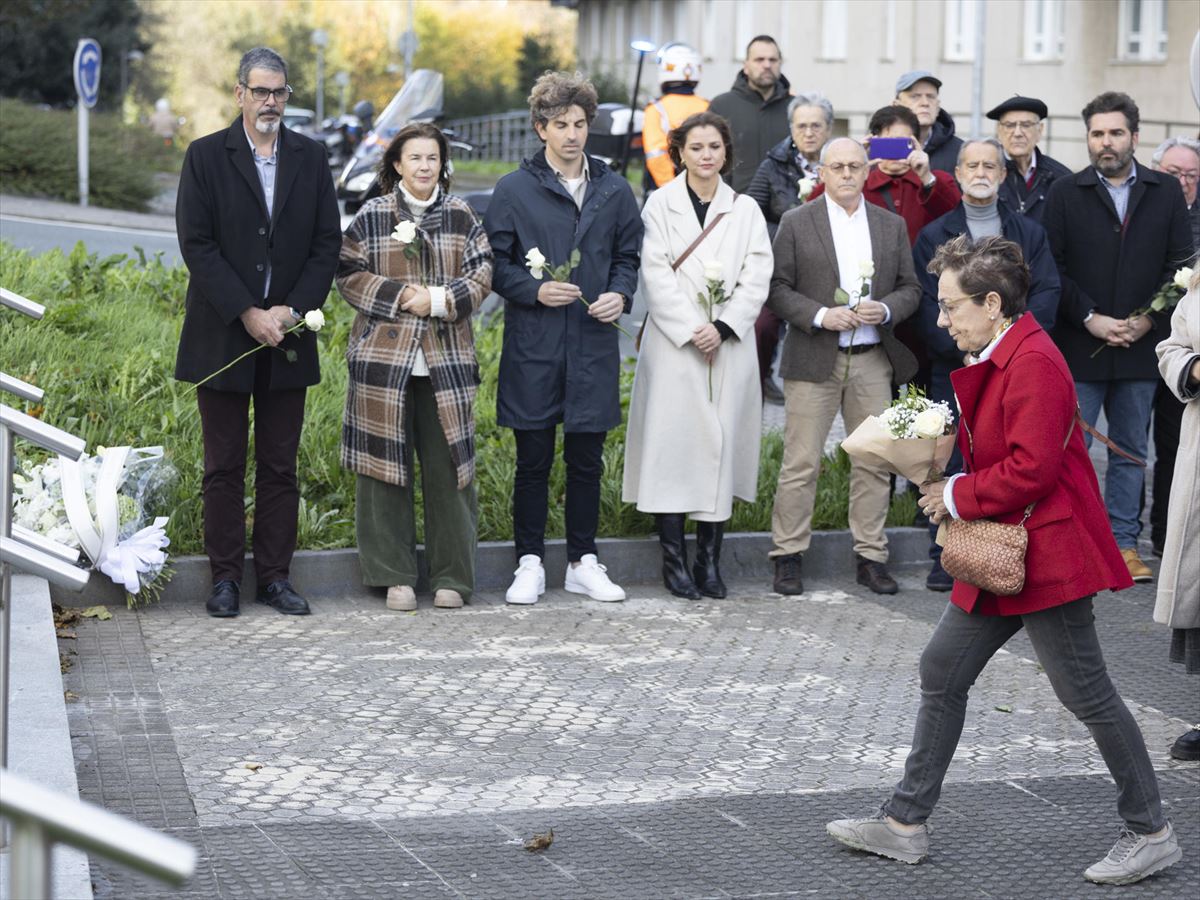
(681, 23)
(889, 30)
(835, 24)
(709, 33)
(959, 44)
(745, 27)
(1148, 42)
(1043, 30)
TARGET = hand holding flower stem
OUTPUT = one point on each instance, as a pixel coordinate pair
(535, 261)
(313, 320)
(713, 295)
(866, 271)
(1166, 299)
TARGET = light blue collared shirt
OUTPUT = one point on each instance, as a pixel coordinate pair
(1120, 192)
(266, 167)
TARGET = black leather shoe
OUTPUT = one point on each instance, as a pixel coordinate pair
(1187, 746)
(707, 572)
(676, 577)
(223, 601)
(875, 576)
(787, 575)
(939, 579)
(771, 392)
(279, 595)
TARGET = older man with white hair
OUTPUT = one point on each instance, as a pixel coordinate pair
(1019, 127)
(838, 356)
(1179, 157)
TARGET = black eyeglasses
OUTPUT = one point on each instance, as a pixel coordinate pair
(281, 95)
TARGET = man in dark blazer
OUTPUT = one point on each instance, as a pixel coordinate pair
(1118, 231)
(838, 355)
(259, 232)
(982, 213)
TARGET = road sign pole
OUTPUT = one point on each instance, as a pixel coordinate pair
(83, 153)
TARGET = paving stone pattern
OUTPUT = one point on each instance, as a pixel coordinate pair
(676, 749)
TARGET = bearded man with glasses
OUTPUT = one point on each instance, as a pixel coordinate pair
(259, 231)
(1019, 127)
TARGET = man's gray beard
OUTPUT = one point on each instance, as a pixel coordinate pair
(992, 191)
(266, 127)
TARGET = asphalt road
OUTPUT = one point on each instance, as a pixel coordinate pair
(42, 235)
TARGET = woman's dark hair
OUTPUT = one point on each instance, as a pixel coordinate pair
(389, 177)
(890, 115)
(678, 136)
(988, 264)
(1110, 102)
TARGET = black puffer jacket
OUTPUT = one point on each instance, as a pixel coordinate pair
(775, 186)
(943, 145)
(1028, 200)
(756, 124)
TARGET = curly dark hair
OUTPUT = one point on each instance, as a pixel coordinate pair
(888, 116)
(556, 92)
(678, 136)
(389, 177)
(1110, 102)
(986, 265)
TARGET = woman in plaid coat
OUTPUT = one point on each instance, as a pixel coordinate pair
(415, 264)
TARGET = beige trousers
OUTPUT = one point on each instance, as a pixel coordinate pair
(810, 410)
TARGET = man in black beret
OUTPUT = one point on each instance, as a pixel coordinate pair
(1030, 172)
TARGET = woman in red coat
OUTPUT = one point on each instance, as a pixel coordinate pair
(1021, 446)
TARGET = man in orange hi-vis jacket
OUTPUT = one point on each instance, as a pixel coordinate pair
(678, 75)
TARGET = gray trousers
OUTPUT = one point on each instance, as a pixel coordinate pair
(1064, 639)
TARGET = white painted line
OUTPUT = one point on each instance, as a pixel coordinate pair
(86, 227)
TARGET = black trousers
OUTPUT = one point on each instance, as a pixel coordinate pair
(1168, 415)
(583, 452)
(224, 423)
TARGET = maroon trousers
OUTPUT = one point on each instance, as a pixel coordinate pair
(224, 421)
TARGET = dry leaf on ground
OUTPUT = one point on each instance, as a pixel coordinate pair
(96, 612)
(540, 841)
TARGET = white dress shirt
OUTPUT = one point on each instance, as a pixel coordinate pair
(852, 245)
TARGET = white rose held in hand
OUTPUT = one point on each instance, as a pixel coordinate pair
(930, 424)
(805, 186)
(1182, 278)
(536, 263)
(866, 269)
(405, 232)
(713, 270)
(314, 320)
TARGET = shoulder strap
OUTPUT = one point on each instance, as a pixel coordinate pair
(1102, 438)
(886, 192)
(696, 243)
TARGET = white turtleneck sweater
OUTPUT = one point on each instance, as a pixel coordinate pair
(437, 293)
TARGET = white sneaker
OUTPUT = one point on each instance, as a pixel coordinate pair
(402, 598)
(529, 583)
(1135, 856)
(589, 577)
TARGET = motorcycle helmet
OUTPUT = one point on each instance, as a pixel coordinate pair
(678, 62)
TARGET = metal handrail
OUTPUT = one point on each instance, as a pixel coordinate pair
(20, 388)
(21, 304)
(41, 818)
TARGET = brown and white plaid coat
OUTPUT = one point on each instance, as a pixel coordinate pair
(373, 272)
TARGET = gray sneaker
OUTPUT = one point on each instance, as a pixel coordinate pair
(1136, 856)
(876, 835)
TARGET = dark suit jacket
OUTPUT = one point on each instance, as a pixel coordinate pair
(227, 240)
(1029, 200)
(1114, 269)
(806, 276)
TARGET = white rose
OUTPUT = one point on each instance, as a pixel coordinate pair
(314, 320)
(713, 271)
(536, 262)
(930, 424)
(866, 269)
(405, 232)
(805, 186)
(1182, 278)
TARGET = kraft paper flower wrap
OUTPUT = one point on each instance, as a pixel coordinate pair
(913, 438)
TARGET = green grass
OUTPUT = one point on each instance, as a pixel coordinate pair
(38, 157)
(105, 353)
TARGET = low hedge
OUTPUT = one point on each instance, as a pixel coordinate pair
(105, 351)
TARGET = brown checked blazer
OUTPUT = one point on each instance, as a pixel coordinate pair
(806, 276)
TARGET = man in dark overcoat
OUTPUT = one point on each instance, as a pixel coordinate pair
(1118, 232)
(259, 232)
(561, 360)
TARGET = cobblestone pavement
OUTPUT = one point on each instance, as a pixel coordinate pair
(676, 749)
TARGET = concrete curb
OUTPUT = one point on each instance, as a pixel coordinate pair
(335, 573)
(57, 211)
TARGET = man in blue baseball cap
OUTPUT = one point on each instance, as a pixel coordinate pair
(918, 90)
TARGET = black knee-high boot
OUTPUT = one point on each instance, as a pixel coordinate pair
(707, 572)
(676, 577)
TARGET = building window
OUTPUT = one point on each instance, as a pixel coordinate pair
(960, 31)
(745, 24)
(1043, 29)
(709, 43)
(1142, 30)
(889, 30)
(833, 29)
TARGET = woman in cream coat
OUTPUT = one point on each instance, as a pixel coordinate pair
(687, 454)
(1178, 603)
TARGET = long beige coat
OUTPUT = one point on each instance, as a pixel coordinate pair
(1178, 602)
(683, 452)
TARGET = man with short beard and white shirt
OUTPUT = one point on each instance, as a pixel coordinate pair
(259, 232)
(983, 212)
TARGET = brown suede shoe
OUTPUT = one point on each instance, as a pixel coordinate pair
(787, 575)
(1138, 570)
(875, 576)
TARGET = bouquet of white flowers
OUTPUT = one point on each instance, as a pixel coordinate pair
(102, 505)
(913, 438)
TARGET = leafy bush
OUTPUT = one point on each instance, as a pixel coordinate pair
(38, 157)
(105, 353)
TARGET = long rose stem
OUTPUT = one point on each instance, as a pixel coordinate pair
(613, 324)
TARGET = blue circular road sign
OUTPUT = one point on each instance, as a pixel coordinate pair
(87, 71)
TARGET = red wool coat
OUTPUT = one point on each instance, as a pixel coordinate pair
(1015, 411)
